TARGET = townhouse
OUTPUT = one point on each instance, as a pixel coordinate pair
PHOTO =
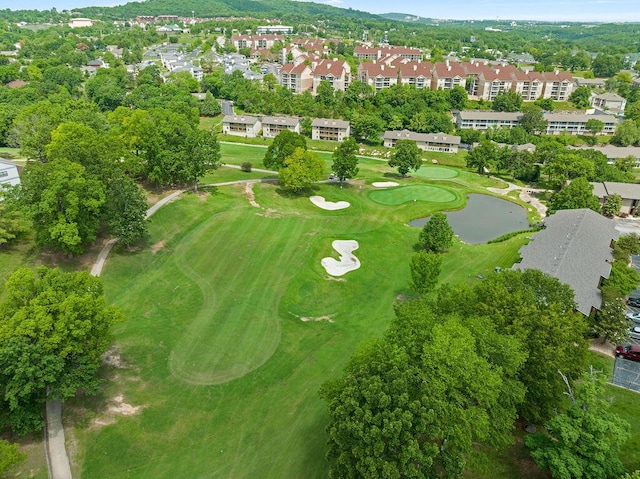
(272, 125)
(425, 141)
(329, 129)
(241, 125)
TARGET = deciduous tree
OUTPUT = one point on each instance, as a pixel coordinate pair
(406, 157)
(54, 327)
(425, 269)
(345, 161)
(612, 205)
(577, 194)
(301, 170)
(436, 235)
(282, 147)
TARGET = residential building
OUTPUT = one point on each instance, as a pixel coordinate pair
(576, 123)
(416, 74)
(614, 153)
(446, 75)
(284, 29)
(483, 120)
(328, 129)
(425, 141)
(376, 53)
(296, 77)
(557, 85)
(81, 22)
(241, 125)
(608, 101)
(574, 247)
(334, 71)
(590, 82)
(629, 192)
(9, 173)
(272, 125)
(528, 84)
(378, 75)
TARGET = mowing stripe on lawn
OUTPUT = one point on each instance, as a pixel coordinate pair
(436, 172)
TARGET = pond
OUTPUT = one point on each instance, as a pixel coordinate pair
(483, 219)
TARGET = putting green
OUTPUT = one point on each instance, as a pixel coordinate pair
(436, 172)
(406, 194)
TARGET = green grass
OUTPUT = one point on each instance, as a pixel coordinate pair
(406, 194)
(436, 172)
(10, 153)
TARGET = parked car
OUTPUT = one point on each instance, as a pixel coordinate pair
(635, 302)
(635, 317)
(628, 351)
(634, 332)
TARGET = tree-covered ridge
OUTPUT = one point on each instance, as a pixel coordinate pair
(223, 8)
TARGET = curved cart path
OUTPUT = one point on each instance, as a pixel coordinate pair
(57, 458)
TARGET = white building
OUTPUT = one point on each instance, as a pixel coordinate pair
(8, 173)
(81, 22)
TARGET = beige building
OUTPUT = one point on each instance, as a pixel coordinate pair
(328, 129)
(296, 77)
(336, 72)
(272, 125)
(629, 192)
(247, 126)
(425, 141)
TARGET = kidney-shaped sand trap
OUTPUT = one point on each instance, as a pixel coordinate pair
(348, 262)
(384, 184)
(320, 202)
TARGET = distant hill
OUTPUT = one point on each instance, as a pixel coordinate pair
(224, 8)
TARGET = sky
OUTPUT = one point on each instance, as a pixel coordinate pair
(547, 10)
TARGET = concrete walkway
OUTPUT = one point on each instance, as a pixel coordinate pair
(58, 460)
(526, 195)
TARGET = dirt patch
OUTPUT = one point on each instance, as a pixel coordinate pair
(331, 278)
(605, 348)
(307, 319)
(112, 358)
(116, 407)
(251, 196)
(158, 246)
(271, 213)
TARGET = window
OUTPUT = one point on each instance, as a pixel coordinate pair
(3, 174)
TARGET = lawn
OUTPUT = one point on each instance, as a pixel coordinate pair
(217, 353)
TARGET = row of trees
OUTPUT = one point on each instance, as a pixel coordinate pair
(453, 373)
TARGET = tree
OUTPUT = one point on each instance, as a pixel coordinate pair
(406, 157)
(425, 269)
(54, 328)
(577, 194)
(416, 403)
(300, 170)
(605, 66)
(458, 97)
(345, 161)
(594, 126)
(12, 220)
(436, 235)
(622, 278)
(539, 311)
(482, 156)
(125, 209)
(63, 203)
(584, 441)
(33, 126)
(210, 106)
(201, 154)
(282, 147)
(564, 166)
(612, 205)
(507, 101)
(610, 322)
(627, 133)
(10, 456)
(367, 126)
(580, 97)
(533, 120)
(81, 144)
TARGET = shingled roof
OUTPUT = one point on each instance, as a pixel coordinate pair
(574, 247)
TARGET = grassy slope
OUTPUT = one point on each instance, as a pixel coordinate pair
(229, 276)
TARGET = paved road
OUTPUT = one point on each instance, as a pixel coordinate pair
(227, 107)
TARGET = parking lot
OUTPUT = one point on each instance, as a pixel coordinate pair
(627, 373)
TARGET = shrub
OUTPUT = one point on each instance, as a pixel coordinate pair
(246, 167)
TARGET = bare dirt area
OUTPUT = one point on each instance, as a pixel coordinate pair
(158, 246)
(605, 348)
(251, 196)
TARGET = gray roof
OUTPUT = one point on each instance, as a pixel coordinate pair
(609, 96)
(421, 137)
(613, 152)
(489, 115)
(243, 119)
(4, 161)
(628, 191)
(579, 117)
(575, 247)
(280, 120)
(330, 123)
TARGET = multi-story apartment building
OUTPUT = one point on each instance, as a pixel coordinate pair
(272, 125)
(241, 125)
(334, 71)
(425, 141)
(328, 129)
(296, 77)
(376, 53)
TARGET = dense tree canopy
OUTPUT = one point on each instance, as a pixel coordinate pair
(577, 194)
(282, 147)
(345, 161)
(406, 157)
(300, 170)
(436, 235)
(54, 327)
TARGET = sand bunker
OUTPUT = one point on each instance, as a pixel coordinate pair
(384, 184)
(348, 262)
(320, 202)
